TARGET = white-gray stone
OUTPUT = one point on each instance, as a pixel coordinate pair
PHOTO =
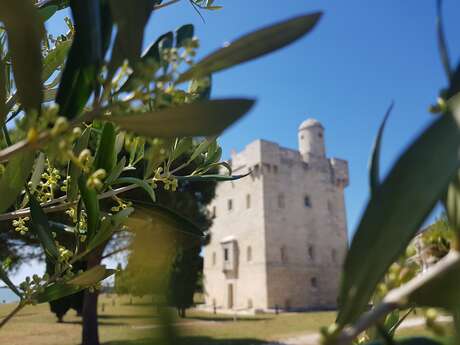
(279, 235)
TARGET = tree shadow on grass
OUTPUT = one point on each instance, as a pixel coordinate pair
(193, 341)
(101, 323)
(225, 319)
(111, 316)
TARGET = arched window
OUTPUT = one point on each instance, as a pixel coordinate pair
(307, 201)
(249, 253)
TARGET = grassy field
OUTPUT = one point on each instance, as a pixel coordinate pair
(138, 324)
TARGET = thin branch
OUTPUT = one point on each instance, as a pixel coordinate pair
(166, 4)
(44, 137)
(11, 314)
(26, 211)
(397, 298)
(120, 250)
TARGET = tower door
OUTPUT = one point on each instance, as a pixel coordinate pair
(230, 296)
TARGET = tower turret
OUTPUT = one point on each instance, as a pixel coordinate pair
(311, 140)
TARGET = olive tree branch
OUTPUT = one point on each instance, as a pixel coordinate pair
(12, 313)
(166, 4)
(397, 298)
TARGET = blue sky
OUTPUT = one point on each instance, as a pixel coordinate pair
(361, 56)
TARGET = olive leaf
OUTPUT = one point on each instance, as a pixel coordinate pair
(252, 46)
(396, 211)
(195, 119)
(24, 43)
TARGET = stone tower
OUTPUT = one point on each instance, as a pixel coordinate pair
(279, 236)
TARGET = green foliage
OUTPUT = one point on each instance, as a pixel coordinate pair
(100, 129)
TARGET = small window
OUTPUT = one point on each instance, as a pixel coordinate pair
(226, 254)
(307, 201)
(283, 255)
(250, 304)
(314, 282)
(281, 201)
(329, 206)
(301, 137)
(214, 212)
(213, 258)
(275, 169)
(248, 201)
(320, 135)
(230, 204)
(249, 253)
(311, 252)
(334, 256)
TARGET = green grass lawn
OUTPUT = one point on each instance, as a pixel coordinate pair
(138, 324)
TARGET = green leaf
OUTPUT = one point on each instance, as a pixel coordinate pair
(4, 277)
(181, 146)
(108, 226)
(14, 178)
(79, 78)
(202, 147)
(116, 172)
(55, 59)
(442, 46)
(196, 119)
(130, 18)
(252, 46)
(409, 341)
(201, 88)
(105, 154)
(40, 226)
(396, 211)
(24, 42)
(3, 109)
(183, 34)
(452, 203)
(438, 288)
(138, 182)
(74, 170)
(85, 279)
(165, 216)
(152, 53)
(56, 291)
(374, 169)
(89, 197)
(47, 12)
(214, 178)
(61, 4)
(91, 276)
(39, 168)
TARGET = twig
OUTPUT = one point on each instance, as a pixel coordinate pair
(45, 136)
(26, 211)
(11, 314)
(166, 4)
(397, 298)
(115, 252)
